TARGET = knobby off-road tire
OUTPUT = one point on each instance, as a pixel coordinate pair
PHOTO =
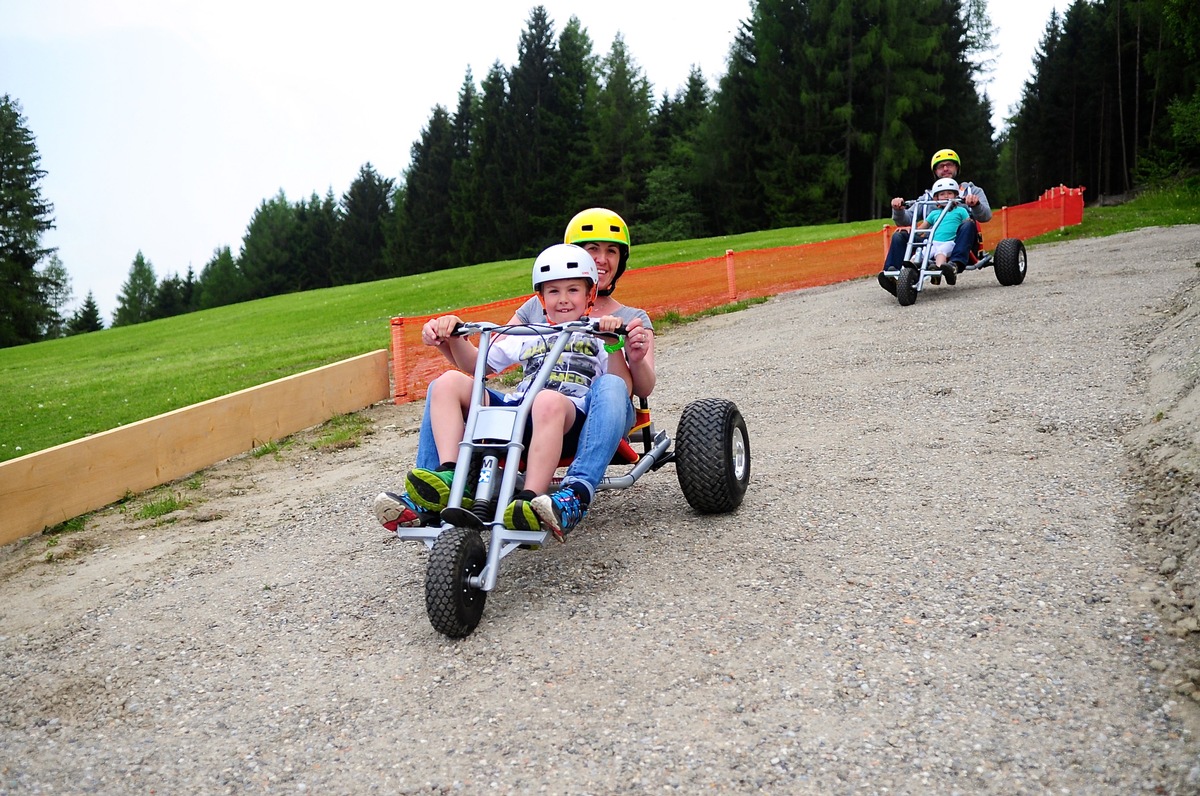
(712, 455)
(454, 606)
(906, 286)
(1010, 262)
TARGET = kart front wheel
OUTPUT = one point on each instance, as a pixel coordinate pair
(906, 286)
(1010, 262)
(453, 604)
(712, 455)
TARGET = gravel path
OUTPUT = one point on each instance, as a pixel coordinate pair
(941, 581)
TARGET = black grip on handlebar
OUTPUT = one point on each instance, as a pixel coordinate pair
(618, 333)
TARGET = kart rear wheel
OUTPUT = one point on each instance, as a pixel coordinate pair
(455, 606)
(906, 286)
(1010, 262)
(712, 455)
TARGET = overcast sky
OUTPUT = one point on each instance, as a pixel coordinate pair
(163, 124)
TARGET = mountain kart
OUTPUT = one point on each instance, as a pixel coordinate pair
(920, 269)
(711, 458)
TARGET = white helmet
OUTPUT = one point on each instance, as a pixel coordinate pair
(564, 261)
(944, 184)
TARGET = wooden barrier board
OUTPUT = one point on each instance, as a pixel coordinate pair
(43, 489)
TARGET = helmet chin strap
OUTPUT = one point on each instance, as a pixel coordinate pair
(608, 291)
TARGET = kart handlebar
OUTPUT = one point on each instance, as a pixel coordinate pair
(909, 203)
(585, 325)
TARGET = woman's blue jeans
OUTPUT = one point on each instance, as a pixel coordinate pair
(609, 418)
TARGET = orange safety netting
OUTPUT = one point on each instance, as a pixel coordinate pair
(688, 288)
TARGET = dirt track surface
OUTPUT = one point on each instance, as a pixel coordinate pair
(964, 565)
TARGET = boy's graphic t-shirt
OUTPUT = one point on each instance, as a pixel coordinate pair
(581, 362)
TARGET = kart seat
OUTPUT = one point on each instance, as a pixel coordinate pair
(641, 421)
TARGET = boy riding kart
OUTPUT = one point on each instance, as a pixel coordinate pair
(565, 281)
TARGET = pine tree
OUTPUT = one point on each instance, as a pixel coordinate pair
(491, 177)
(221, 281)
(429, 227)
(1170, 93)
(578, 86)
(963, 121)
(536, 137)
(191, 291)
(360, 238)
(899, 87)
(135, 303)
(56, 284)
(269, 247)
(317, 228)
(731, 144)
(1114, 99)
(86, 318)
(1059, 134)
(621, 134)
(807, 65)
(464, 197)
(24, 216)
(170, 298)
(395, 232)
(671, 209)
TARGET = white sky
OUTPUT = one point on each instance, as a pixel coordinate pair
(163, 124)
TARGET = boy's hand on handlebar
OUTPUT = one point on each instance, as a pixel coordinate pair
(608, 323)
(437, 330)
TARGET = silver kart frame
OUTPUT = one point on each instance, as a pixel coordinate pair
(498, 431)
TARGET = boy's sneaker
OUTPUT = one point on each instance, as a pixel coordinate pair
(520, 516)
(950, 273)
(887, 280)
(560, 511)
(430, 489)
(396, 511)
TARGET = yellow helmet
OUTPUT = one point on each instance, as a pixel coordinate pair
(599, 224)
(944, 155)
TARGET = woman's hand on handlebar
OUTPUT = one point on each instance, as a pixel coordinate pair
(638, 341)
